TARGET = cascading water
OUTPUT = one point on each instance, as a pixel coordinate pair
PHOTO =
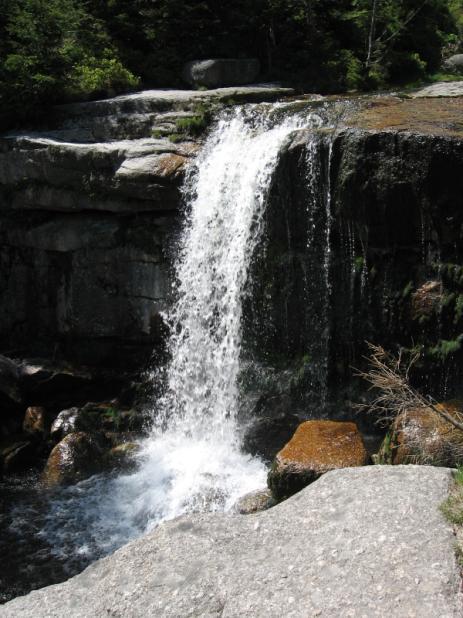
(317, 280)
(192, 459)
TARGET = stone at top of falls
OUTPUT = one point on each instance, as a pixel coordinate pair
(218, 72)
(359, 542)
(441, 89)
(315, 448)
(454, 63)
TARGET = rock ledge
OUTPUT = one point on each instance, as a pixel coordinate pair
(358, 542)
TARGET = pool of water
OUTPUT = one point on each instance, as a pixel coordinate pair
(27, 559)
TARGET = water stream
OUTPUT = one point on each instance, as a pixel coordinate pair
(192, 459)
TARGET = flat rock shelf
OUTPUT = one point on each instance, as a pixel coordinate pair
(358, 542)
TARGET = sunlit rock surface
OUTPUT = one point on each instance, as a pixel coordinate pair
(359, 542)
(315, 448)
(422, 436)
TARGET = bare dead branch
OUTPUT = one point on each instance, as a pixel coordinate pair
(389, 376)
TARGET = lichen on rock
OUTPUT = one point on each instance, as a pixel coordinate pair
(315, 448)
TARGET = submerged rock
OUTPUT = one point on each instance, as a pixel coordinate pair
(359, 542)
(97, 418)
(16, 455)
(122, 455)
(35, 421)
(77, 456)
(421, 436)
(315, 448)
(254, 502)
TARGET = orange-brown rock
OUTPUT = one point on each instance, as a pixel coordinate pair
(315, 448)
(440, 116)
(169, 165)
(34, 422)
(76, 457)
(422, 436)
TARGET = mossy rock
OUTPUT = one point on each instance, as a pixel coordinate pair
(315, 448)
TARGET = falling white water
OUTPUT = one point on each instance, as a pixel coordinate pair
(318, 289)
(192, 459)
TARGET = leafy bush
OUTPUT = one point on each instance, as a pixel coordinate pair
(98, 76)
(197, 124)
(53, 50)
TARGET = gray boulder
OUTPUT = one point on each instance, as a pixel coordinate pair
(454, 63)
(9, 379)
(255, 501)
(358, 542)
(65, 423)
(221, 72)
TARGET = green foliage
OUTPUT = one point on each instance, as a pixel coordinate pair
(384, 455)
(359, 263)
(98, 76)
(114, 416)
(458, 476)
(176, 138)
(445, 348)
(452, 508)
(458, 308)
(52, 51)
(197, 124)
(56, 50)
(444, 77)
(407, 290)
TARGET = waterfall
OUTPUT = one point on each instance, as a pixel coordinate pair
(192, 459)
(318, 265)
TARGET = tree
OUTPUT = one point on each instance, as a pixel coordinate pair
(52, 50)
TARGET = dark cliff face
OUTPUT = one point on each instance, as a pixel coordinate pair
(376, 256)
(363, 241)
(401, 193)
(89, 214)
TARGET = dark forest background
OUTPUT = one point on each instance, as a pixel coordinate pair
(60, 50)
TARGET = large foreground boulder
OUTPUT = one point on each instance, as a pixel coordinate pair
(315, 448)
(219, 72)
(359, 542)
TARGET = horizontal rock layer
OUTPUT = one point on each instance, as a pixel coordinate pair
(88, 211)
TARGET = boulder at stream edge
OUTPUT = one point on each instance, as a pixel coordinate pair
(315, 448)
(358, 542)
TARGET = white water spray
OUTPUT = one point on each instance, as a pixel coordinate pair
(192, 459)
